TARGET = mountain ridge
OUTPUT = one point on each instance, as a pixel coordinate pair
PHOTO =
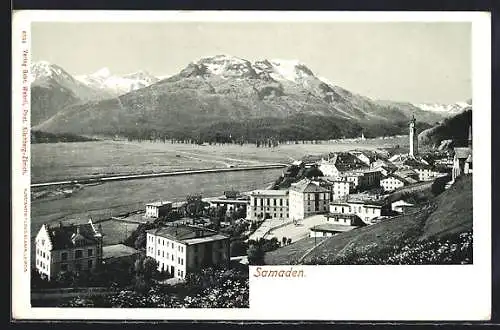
(222, 88)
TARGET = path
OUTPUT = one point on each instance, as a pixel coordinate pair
(152, 175)
(299, 231)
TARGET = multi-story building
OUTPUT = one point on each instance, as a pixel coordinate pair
(307, 198)
(158, 209)
(363, 179)
(393, 182)
(67, 248)
(265, 204)
(338, 188)
(180, 249)
(366, 210)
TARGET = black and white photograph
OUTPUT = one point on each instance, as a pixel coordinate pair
(170, 161)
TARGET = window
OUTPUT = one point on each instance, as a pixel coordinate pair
(43, 254)
(90, 252)
(163, 254)
(163, 242)
(158, 252)
(90, 264)
(78, 254)
(195, 248)
(78, 266)
(158, 241)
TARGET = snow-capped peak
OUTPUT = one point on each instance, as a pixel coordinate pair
(46, 70)
(103, 72)
(102, 79)
(452, 109)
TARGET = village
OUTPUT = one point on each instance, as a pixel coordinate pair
(317, 196)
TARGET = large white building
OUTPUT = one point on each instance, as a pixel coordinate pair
(307, 198)
(180, 249)
(266, 204)
(67, 248)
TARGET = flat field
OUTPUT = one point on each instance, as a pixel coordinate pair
(58, 161)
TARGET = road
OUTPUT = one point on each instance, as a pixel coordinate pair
(299, 231)
(153, 175)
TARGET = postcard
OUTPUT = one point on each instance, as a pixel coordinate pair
(225, 165)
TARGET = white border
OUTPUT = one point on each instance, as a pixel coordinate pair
(328, 292)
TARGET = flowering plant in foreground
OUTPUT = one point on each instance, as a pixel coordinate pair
(208, 289)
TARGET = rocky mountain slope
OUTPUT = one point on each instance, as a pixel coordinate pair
(235, 93)
(53, 89)
(455, 128)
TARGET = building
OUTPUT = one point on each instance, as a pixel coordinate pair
(363, 180)
(158, 209)
(232, 204)
(340, 163)
(180, 249)
(413, 138)
(67, 248)
(307, 198)
(462, 159)
(364, 209)
(462, 162)
(338, 188)
(265, 204)
(367, 157)
(393, 182)
(401, 206)
(329, 229)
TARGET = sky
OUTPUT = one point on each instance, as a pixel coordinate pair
(399, 61)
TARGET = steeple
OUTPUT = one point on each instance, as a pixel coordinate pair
(413, 137)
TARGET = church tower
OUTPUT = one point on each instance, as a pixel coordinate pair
(413, 138)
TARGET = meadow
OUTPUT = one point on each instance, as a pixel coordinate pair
(58, 161)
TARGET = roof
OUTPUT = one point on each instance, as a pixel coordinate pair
(158, 204)
(345, 161)
(332, 227)
(401, 203)
(462, 152)
(416, 164)
(117, 251)
(395, 176)
(269, 192)
(182, 233)
(306, 186)
(229, 201)
(217, 237)
(65, 237)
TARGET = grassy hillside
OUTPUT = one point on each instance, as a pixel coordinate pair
(440, 232)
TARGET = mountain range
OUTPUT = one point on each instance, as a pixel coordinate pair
(220, 94)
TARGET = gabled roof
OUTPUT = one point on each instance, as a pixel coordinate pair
(65, 237)
(306, 186)
(397, 177)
